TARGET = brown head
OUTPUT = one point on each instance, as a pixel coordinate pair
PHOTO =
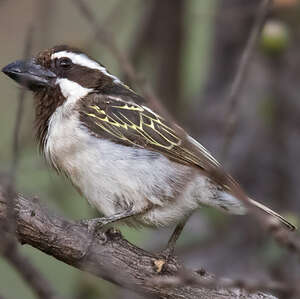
(56, 74)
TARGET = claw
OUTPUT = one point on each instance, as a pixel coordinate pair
(93, 225)
(96, 228)
(167, 253)
(166, 262)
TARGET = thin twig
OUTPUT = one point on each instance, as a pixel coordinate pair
(20, 110)
(30, 274)
(113, 14)
(8, 242)
(233, 97)
(105, 38)
(15, 141)
(184, 278)
(9, 250)
(284, 238)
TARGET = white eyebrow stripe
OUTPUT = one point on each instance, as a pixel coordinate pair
(83, 60)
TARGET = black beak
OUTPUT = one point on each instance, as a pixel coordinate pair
(29, 74)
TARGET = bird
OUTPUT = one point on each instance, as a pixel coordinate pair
(132, 162)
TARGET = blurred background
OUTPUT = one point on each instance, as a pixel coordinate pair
(189, 52)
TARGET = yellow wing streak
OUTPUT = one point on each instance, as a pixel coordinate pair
(140, 126)
(152, 126)
(157, 120)
(125, 106)
(127, 124)
(138, 129)
(98, 109)
(149, 139)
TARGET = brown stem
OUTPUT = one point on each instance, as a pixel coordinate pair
(243, 68)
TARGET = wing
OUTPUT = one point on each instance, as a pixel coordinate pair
(136, 125)
(129, 123)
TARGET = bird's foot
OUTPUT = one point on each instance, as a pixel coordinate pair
(96, 225)
(167, 253)
(165, 260)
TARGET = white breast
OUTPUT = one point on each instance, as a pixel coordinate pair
(103, 170)
(112, 176)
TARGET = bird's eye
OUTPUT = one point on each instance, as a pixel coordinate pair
(65, 63)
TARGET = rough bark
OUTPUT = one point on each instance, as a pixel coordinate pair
(108, 256)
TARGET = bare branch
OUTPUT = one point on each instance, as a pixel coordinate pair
(233, 97)
(107, 255)
(8, 242)
(29, 273)
(205, 280)
(9, 250)
(20, 110)
(285, 239)
(113, 14)
(105, 38)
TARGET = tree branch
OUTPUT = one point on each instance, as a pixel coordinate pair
(9, 249)
(107, 255)
(20, 110)
(106, 39)
(243, 68)
(8, 242)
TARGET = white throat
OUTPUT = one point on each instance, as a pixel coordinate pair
(71, 90)
(63, 119)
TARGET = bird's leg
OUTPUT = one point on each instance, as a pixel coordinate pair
(169, 250)
(175, 236)
(96, 224)
(167, 253)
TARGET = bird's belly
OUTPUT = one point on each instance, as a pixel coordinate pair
(113, 177)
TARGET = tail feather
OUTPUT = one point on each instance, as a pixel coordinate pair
(283, 221)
